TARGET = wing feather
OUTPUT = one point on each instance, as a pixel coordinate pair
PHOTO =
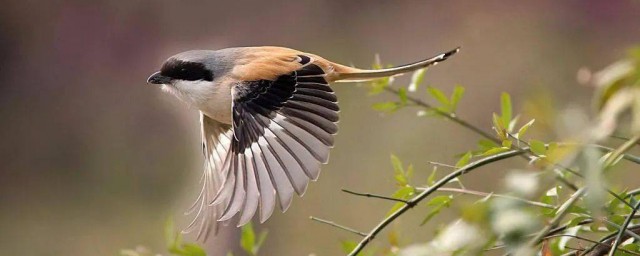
(281, 132)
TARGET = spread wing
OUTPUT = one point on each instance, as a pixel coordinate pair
(216, 145)
(281, 133)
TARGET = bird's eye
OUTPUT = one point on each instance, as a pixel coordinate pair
(184, 70)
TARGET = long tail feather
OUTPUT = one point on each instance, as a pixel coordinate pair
(359, 75)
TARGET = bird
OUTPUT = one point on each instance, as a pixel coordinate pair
(268, 117)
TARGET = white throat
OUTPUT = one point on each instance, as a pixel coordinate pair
(212, 99)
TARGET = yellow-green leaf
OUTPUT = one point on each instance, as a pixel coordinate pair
(402, 94)
(538, 147)
(494, 151)
(524, 128)
(385, 106)
(456, 96)
(505, 106)
(464, 160)
(440, 97)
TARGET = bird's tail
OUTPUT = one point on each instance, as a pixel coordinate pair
(349, 74)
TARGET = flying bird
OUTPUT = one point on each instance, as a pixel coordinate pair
(268, 117)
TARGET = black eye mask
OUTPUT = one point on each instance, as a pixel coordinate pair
(184, 70)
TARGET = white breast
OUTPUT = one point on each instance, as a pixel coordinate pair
(213, 99)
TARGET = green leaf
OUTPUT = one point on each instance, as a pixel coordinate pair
(438, 203)
(440, 200)
(595, 227)
(402, 94)
(497, 123)
(485, 145)
(524, 129)
(537, 147)
(193, 250)
(499, 127)
(548, 200)
(464, 160)
(404, 193)
(409, 172)
(507, 143)
(578, 210)
(575, 221)
(505, 106)
(248, 238)
(348, 245)
(432, 177)
(513, 123)
(398, 171)
(388, 106)
(456, 96)
(494, 151)
(379, 85)
(633, 247)
(396, 163)
(440, 97)
(170, 234)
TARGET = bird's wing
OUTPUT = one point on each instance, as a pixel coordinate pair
(216, 145)
(281, 133)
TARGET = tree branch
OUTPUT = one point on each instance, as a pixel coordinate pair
(591, 241)
(562, 211)
(413, 201)
(621, 150)
(331, 223)
(601, 250)
(374, 196)
(447, 115)
(479, 193)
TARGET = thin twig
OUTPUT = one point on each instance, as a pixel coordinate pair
(598, 250)
(441, 164)
(624, 228)
(480, 193)
(591, 241)
(450, 116)
(620, 137)
(331, 223)
(375, 196)
(584, 222)
(619, 228)
(412, 202)
(628, 157)
(621, 150)
(562, 211)
(633, 193)
(620, 198)
(556, 231)
(567, 169)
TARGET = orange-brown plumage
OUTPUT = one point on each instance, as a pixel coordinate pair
(269, 62)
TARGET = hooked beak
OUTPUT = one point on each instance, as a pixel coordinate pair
(157, 78)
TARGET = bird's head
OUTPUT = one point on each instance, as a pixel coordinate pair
(193, 75)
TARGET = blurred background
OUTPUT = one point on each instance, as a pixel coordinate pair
(94, 160)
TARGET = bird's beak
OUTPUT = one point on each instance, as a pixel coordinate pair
(157, 78)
